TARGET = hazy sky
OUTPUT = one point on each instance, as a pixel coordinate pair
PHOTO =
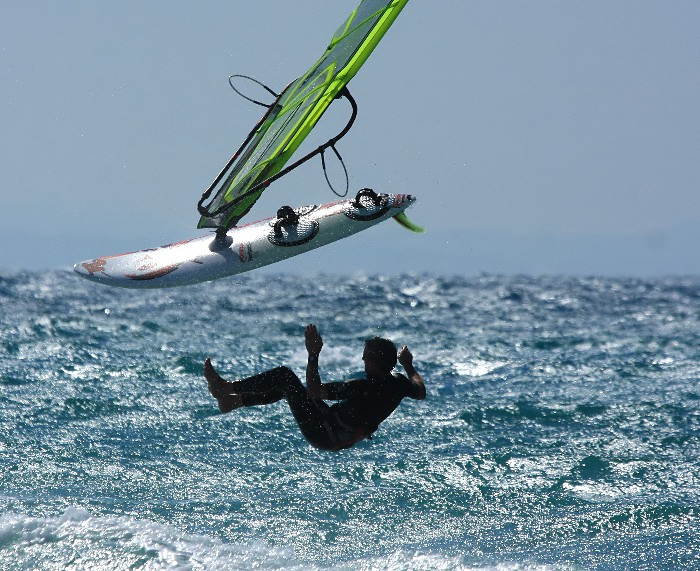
(539, 137)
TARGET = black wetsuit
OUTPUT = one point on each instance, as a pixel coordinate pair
(364, 404)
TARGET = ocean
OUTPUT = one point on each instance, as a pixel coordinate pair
(561, 428)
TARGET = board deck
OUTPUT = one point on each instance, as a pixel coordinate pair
(244, 248)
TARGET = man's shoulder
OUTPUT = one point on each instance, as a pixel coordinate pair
(399, 376)
(403, 381)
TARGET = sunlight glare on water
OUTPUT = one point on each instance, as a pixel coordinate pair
(560, 429)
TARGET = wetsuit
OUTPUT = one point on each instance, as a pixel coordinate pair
(364, 404)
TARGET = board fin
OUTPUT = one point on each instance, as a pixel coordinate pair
(402, 219)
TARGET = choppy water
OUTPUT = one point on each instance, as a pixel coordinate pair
(560, 431)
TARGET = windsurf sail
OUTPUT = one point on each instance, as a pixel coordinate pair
(262, 157)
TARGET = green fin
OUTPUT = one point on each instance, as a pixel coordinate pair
(402, 219)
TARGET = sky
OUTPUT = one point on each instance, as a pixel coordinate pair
(540, 137)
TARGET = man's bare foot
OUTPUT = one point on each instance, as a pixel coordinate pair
(217, 387)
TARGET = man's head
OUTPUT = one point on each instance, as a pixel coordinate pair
(380, 354)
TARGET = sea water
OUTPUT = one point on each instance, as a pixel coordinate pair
(561, 428)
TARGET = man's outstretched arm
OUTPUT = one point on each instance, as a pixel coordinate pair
(314, 344)
(417, 385)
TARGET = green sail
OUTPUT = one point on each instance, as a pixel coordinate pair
(297, 110)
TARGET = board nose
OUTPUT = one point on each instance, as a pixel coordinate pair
(87, 268)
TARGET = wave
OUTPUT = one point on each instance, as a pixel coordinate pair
(77, 539)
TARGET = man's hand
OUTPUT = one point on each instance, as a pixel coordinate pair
(314, 343)
(417, 386)
(405, 357)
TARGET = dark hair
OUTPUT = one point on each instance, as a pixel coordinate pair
(382, 352)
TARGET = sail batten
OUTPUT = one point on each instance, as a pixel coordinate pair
(289, 120)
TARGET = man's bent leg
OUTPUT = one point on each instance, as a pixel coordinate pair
(310, 414)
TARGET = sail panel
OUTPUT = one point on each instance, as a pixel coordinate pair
(296, 111)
